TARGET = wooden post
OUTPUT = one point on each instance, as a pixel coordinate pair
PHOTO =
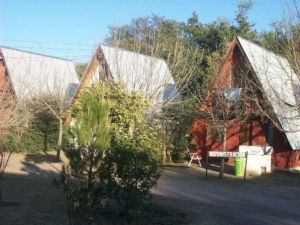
(222, 165)
(206, 165)
(59, 141)
(221, 174)
(245, 171)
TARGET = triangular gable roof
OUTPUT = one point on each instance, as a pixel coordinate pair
(278, 80)
(33, 74)
(136, 71)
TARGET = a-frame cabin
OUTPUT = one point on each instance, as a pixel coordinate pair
(279, 86)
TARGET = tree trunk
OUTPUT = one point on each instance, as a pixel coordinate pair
(163, 155)
(222, 159)
(46, 141)
(90, 171)
(59, 141)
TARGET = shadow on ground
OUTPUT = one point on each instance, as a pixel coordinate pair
(182, 196)
(269, 199)
(41, 164)
(29, 194)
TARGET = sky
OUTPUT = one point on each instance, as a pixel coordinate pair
(72, 28)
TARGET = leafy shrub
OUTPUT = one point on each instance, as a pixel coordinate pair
(136, 168)
(41, 135)
(82, 184)
(8, 143)
(178, 126)
(33, 140)
(118, 153)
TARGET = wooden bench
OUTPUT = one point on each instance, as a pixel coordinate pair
(195, 155)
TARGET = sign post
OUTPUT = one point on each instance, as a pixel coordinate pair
(245, 171)
(206, 165)
(215, 154)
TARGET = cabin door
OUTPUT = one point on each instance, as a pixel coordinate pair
(245, 133)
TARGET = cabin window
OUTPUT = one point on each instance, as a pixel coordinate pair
(214, 134)
(232, 94)
(98, 74)
(72, 87)
(270, 133)
(104, 72)
(245, 133)
(269, 130)
(171, 93)
(95, 76)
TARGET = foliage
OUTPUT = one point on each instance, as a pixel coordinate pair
(15, 117)
(80, 68)
(41, 135)
(245, 28)
(136, 168)
(179, 117)
(8, 144)
(193, 51)
(92, 126)
(136, 146)
(210, 39)
(58, 105)
(33, 141)
(284, 39)
(117, 156)
(92, 133)
(126, 107)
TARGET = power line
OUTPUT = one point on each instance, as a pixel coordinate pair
(54, 43)
(56, 48)
(28, 57)
(61, 46)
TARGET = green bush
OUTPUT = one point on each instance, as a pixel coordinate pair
(83, 186)
(117, 155)
(32, 140)
(8, 143)
(41, 135)
(136, 166)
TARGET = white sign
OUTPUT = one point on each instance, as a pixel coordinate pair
(226, 154)
(254, 149)
(259, 159)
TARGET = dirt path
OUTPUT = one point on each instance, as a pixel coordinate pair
(29, 191)
(275, 199)
(267, 200)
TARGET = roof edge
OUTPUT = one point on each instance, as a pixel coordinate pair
(261, 47)
(130, 51)
(35, 53)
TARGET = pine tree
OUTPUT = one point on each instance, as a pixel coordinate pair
(92, 135)
(245, 28)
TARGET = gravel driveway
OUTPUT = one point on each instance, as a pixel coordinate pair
(270, 199)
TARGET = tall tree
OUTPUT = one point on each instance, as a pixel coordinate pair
(244, 27)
